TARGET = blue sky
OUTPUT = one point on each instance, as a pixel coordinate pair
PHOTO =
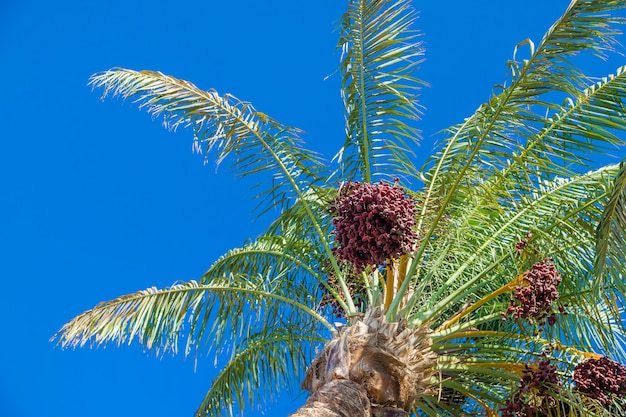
(98, 200)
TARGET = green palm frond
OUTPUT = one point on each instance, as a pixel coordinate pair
(586, 26)
(590, 325)
(491, 246)
(611, 231)
(496, 134)
(561, 147)
(257, 143)
(225, 125)
(294, 260)
(379, 52)
(221, 311)
(264, 364)
(458, 184)
(267, 255)
(527, 154)
(295, 221)
(294, 224)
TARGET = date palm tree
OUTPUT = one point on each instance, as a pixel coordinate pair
(490, 281)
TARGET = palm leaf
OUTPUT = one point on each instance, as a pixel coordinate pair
(225, 125)
(295, 260)
(266, 362)
(379, 52)
(490, 246)
(231, 127)
(159, 319)
(590, 326)
(294, 222)
(611, 231)
(267, 255)
(489, 138)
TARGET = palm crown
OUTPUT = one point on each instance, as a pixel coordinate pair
(505, 282)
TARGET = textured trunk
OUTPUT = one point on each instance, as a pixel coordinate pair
(344, 398)
(372, 369)
(338, 398)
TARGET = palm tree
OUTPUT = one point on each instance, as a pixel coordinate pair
(489, 281)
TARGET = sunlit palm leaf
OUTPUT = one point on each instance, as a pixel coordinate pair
(229, 127)
(264, 364)
(490, 138)
(159, 319)
(611, 231)
(267, 255)
(591, 326)
(492, 245)
(561, 147)
(586, 25)
(294, 222)
(225, 125)
(380, 50)
(295, 261)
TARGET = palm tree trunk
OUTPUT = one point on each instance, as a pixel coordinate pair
(338, 398)
(343, 398)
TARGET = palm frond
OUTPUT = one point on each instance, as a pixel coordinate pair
(379, 52)
(494, 136)
(230, 127)
(264, 364)
(590, 326)
(267, 255)
(587, 25)
(297, 261)
(488, 248)
(225, 125)
(222, 311)
(478, 188)
(611, 231)
(294, 222)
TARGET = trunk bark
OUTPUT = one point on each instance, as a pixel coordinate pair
(373, 368)
(338, 398)
(344, 398)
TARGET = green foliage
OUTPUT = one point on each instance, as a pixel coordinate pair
(379, 53)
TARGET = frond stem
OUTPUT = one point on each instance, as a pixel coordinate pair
(367, 176)
(505, 288)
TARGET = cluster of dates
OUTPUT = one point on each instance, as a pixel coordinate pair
(598, 378)
(533, 298)
(601, 379)
(373, 223)
(533, 397)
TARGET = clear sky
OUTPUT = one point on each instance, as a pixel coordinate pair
(98, 200)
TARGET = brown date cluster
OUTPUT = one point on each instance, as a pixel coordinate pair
(533, 397)
(533, 298)
(373, 222)
(601, 379)
(598, 378)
